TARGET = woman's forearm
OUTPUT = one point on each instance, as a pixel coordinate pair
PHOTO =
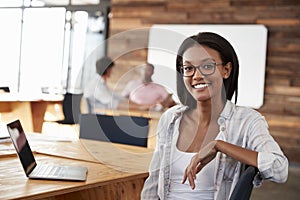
(243, 155)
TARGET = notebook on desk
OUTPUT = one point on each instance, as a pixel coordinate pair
(40, 171)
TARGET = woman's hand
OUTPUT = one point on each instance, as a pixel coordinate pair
(203, 157)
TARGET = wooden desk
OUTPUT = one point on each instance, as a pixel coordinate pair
(30, 109)
(121, 178)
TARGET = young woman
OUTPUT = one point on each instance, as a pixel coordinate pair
(204, 144)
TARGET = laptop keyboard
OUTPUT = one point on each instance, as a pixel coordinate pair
(50, 170)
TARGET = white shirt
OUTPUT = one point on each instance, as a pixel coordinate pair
(204, 183)
(99, 95)
(241, 126)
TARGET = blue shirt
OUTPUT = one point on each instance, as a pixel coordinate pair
(241, 126)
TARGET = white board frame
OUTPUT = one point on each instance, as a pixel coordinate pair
(249, 42)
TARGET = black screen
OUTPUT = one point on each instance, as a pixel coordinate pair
(22, 147)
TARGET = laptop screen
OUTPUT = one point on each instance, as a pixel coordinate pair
(22, 147)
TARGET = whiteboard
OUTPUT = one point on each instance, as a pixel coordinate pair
(249, 42)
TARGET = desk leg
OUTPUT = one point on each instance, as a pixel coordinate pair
(38, 109)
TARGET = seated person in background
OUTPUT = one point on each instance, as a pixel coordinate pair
(99, 96)
(145, 92)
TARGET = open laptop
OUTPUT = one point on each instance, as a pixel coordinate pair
(40, 171)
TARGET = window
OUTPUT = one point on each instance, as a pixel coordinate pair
(46, 47)
(10, 37)
(42, 49)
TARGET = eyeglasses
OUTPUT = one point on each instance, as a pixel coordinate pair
(205, 69)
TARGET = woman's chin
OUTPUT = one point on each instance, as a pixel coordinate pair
(202, 98)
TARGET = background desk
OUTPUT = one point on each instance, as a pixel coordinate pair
(30, 109)
(104, 181)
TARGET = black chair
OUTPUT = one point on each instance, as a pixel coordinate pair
(244, 186)
(71, 108)
(117, 129)
(5, 89)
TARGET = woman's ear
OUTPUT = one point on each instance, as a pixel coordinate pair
(227, 70)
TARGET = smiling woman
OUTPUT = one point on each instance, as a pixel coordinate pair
(204, 144)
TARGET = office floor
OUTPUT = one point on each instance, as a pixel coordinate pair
(268, 191)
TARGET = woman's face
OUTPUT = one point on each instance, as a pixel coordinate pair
(205, 87)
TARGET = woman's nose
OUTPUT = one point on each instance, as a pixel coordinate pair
(197, 73)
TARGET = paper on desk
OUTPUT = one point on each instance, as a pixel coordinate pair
(48, 138)
(5, 140)
(7, 149)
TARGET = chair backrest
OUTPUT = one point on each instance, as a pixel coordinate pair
(71, 108)
(117, 129)
(5, 89)
(244, 186)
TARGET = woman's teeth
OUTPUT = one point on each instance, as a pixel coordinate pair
(200, 86)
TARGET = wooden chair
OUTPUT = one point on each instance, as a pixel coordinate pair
(244, 186)
(118, 129)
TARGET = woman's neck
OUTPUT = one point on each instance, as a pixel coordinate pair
(209, 110)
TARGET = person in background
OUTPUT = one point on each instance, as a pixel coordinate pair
(99, 96)
(145, 92)
(204, 144)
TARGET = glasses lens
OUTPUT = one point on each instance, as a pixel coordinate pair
(188, 70)
(207, 69)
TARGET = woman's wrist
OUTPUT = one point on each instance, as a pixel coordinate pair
(218, 145)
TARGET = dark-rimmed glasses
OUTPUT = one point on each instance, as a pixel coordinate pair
(205, 69)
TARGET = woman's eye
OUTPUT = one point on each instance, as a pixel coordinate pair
(208, 66)
(188, 68)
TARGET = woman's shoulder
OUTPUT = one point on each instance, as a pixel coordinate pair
(247, 110)
(177, 109)
(172, 113)
(244, 113)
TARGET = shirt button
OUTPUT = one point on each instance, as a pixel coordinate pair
(222, 128)
(221, 120)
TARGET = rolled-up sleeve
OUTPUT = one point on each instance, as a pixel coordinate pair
(272, 163)
(273, 167)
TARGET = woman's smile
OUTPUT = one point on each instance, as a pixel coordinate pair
(200, 85)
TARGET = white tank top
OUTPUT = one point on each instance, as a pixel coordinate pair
(204, 183)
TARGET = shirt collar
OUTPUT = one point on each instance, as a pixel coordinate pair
(227, 110)
(225, 114)
(100, 79)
